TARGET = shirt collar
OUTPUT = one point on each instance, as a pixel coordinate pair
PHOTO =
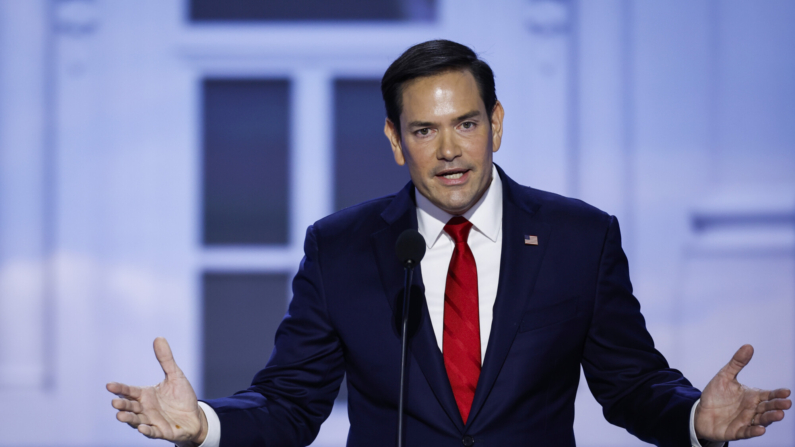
(485, 215)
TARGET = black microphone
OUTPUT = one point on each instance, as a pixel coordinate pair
(410, 249)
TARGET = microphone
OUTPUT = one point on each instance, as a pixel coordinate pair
(410, 248)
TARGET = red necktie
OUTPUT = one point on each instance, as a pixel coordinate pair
(461, 340)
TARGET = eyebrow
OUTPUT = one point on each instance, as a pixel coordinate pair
(466, 116)
(421, 124)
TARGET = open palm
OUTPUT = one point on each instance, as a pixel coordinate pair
(168, 410)
(730, 410)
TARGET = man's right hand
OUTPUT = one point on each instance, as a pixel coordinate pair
(168, 410)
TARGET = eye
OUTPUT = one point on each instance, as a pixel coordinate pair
(423, 132)
(467, 125)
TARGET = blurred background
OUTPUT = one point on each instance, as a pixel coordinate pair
(160, 161)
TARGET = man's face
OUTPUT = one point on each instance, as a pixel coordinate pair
(447, 139)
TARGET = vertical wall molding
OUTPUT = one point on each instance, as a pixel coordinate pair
(311, 152)
(628, 139)
(713, 90)
(573, 104)
(23, 110)
(49, 202)
(550, 76)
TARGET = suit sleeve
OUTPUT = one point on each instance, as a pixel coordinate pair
(626, 374)
(289, 399)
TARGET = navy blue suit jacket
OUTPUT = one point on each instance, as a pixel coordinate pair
(562, 303)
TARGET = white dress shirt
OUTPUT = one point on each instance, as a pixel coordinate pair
(485, 241)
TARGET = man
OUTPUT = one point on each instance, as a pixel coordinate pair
(521, 287)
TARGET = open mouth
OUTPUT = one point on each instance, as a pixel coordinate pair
(452, 176)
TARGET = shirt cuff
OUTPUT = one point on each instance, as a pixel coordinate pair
(693, 438)
(213, 438)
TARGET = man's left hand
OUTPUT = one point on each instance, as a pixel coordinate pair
(730, 410)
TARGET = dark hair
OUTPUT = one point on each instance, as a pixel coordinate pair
(431, 58)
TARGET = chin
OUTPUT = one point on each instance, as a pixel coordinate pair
(455, 203)
(457, 208)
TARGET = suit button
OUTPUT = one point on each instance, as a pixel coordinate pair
(468, 441)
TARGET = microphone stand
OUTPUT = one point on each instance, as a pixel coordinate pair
(409, 269)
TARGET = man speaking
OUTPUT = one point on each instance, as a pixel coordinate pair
(521, 288)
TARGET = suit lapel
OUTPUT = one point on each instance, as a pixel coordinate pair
(400, 215)
(519, 265)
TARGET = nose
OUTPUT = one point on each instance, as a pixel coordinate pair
(448, 149)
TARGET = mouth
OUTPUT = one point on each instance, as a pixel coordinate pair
(452, 176)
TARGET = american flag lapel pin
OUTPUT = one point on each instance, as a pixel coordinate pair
(530, 240)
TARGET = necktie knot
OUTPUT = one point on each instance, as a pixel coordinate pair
(458, 228)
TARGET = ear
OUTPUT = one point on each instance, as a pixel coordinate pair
(394, 139)
(497, 114)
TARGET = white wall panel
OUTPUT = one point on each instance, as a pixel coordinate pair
(660, 112)
(23, 195)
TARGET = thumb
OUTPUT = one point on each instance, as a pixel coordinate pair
(738, 361)
(166, 359)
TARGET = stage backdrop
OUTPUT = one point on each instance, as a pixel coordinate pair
(160, 161)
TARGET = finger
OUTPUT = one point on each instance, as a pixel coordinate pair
(751, 432)
(738, 361)
(769, 417)
(781, 393)
(166, 359)
(122, 390)
(765, 395)
(127, 405)
(150, 431)
(775, 404)
(131, 419)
